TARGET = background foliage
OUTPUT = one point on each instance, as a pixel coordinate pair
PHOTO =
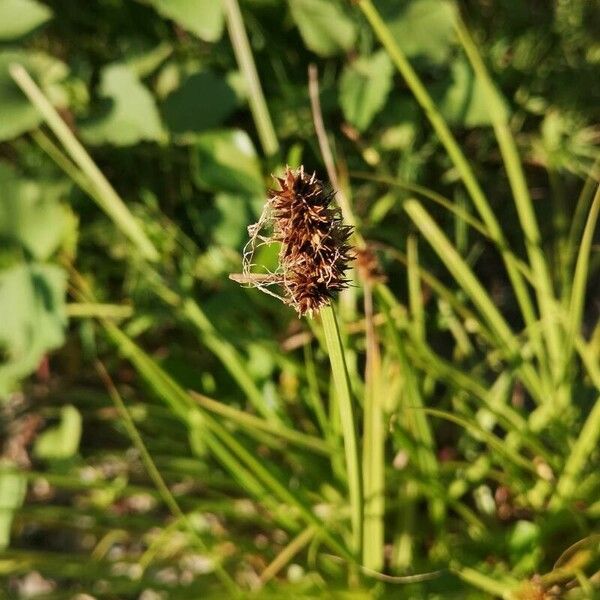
(478, 420)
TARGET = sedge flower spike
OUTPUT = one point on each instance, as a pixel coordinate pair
(314, 249)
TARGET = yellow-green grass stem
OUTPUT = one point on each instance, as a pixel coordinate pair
(106, 197)
(346, 412)
(373, 454)
(245, 60)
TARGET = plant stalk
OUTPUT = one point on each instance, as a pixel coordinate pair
(256, 98)
(344, 400)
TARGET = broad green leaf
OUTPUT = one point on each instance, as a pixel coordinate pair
(61, 441)
(31, 214)
(201, 17)
(34, 297)
(131, 114)
(324, 26)
(364, 88)
(19, 17)
(421, 27)
(13, 486)
(203, 101)
(17, 114)
(463, 101)
(233, 214)
(226, 161)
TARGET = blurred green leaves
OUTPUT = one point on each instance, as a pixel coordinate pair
(13, 487)
(60, 441)
(201, 17)
(31, 215)
(19, 17)
(129, 114)
(202, 101)
(324, 26)
(33, 223)
(364, 88)
(462, 98)
(226, 160)
(34, 297)
(422, 28)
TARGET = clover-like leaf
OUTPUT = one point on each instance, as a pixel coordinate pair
(129, 115)
(324, 26)
(364, 88)
(201, 17)
(34, 297)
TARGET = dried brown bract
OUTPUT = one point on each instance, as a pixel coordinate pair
(314, 253)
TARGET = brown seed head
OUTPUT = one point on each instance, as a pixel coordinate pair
(314, 254)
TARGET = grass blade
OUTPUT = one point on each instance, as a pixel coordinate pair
(580, 276)
(473, 288)
(522, 198)
(251, 422)
(235, 457)
(454, 152)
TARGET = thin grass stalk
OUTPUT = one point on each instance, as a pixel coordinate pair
(252, 422)
(521, 195)
(346, 413)
(415, 417)
(478, 295)
(228, 450)
(230, 358)
(578, 223)
(415, 295)
(454, 152)
(245, 60)
(580, 276)
(286, 555)
(326, 153)
(373, 445)
(430, 194)
(106, 197)
(584, 446)
(157, 479)
(492, 440)
(314, 396)
(498, 589)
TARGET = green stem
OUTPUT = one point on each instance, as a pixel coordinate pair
(256, 98)
(344, 400)
(373, 445)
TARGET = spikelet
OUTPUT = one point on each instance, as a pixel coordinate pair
(314, 253)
